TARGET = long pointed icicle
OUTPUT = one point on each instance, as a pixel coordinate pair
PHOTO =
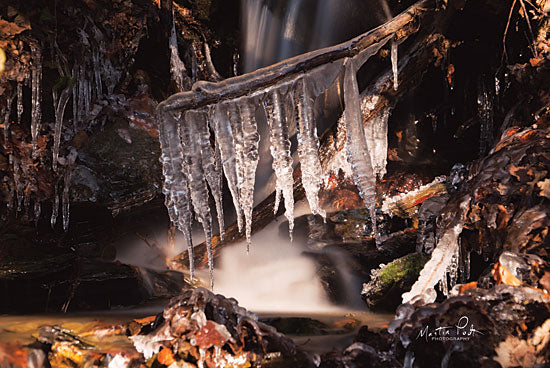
(175, 188)
(177, 67)
(224, 140)
(19, 101)
(55, 205)
(394, 65)
(36, 96)
(7, 113)
(61, 103)
(212, 171)
(196, 179)
(356, 143)
(308, 145)
(250, 142)
(65, 197)
(280, 150)
(238, 146)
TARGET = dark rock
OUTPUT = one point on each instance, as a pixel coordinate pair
(119, 168)
(484, 323)
(297, 325)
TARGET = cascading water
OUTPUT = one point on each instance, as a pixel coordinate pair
(276, 30)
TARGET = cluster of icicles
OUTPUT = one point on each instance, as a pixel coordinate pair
(87, 81)
(191, 164)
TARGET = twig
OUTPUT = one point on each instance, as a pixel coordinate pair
(530, 29)
(504, 53)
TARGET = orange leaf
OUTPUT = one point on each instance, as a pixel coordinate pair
(503, 276)
(166, 357)
(468, 286)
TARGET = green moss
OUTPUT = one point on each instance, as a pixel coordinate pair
(404, 267)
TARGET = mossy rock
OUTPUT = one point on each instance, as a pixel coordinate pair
(384, 291)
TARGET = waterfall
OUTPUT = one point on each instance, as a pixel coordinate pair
(276, 30)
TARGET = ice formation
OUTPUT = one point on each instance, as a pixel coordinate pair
(191, 165)
(443, 264)
(277, 115)
(394, 65)
(36, 96)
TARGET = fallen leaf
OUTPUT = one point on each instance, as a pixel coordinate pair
(544, 187)
(11, 29)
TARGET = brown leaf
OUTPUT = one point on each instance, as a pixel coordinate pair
(11, 29)
(544, 187)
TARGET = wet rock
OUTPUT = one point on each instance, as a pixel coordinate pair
(384, 290)
(297, 325)
(119, 166)
(202, 328)
(477, 326)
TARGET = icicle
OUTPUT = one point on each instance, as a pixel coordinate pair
(66, 200)
(75, 96)
(356, 143)
(211, 170)
(485, 115)
(225, 143)
(436, 268)
(7, 114)
(250, 157)
(83, 104)
(177, 67)
(280, 150)
(37, 212)
(308, 145)
(18, 183)
(98, 90)
(359, 152)
(175, 188)
(196, 178)
(394, 65)
(376, 134)
(19, 101)
(55, 206)
(59, 112)
(238, 146)
(36, 96)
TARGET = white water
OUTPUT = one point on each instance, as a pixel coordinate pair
(274, 276)
(276, 30)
